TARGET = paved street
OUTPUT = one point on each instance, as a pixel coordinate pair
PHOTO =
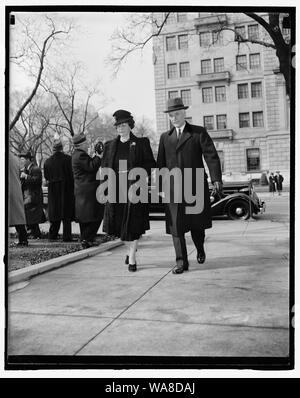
(236, 304)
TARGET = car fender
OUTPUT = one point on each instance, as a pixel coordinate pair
(240, 196)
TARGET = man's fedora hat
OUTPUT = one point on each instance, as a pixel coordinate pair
(79, 138)
(174, 104)
(26, 155)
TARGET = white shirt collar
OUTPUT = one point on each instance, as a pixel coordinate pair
(181, 128)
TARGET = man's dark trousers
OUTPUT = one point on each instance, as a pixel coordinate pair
(88, 230)
(198, 236)
(54, 228)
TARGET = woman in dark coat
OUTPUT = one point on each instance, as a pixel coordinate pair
(126, 220)
(31, 180)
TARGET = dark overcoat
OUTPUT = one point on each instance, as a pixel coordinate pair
(16, 212)
(279, 181)
(195, 143)
(140, 155)
(85, 168)
(58, 172)
(33, 195)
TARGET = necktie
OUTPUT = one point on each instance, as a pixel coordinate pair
(179, 135)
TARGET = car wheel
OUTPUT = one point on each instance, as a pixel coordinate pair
(238, 210)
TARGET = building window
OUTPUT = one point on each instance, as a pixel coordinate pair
(184, 68)
(171, 18)
(254, 61)
(253, 32)
(258, 119)
(182, 41)
(217, 37)
(242, 90)
(221, 156)
(286, 31)
(256, 90)
(241, 62)
(219, 65)
(172, 71)
(173, 94)
(240, 33)
(220, 92)
(186, 97)
(221, 122)
(181, 16)
(206, 66)
(171, 43)
(205, 39)
(244, 119)
(208, 122)
(253, 159)
(207, 94)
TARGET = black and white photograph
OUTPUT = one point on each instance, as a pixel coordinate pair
(150, 187)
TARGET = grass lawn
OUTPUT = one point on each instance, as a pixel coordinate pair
(39, 250)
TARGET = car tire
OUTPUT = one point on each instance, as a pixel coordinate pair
(238, 210)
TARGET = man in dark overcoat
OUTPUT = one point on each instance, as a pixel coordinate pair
(61, 202)
(16, 212)
(31, 181)
(278, 181)
(88, 211)
(183, 147)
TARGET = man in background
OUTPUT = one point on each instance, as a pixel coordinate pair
(61, 202)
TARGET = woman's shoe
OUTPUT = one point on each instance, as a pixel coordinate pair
(132, 267)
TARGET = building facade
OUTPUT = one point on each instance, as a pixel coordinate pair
(232, 88)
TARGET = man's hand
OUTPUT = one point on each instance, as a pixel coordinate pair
(23, 175)
(218, 187)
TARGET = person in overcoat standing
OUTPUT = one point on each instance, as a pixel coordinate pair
(184, 146)
(31, 181)
(278, 180)
(124, 218)
(16, 212)
(272, 186)
(61, 201)
(88, 211)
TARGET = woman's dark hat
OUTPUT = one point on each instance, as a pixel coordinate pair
(79, 139)
(26, 155)
(122, 116)
(174, 104)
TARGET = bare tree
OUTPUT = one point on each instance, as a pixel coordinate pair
(32, 132)
(142, 27)
(31, 47)
(73, 99)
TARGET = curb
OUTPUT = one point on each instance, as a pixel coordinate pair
(36, 269)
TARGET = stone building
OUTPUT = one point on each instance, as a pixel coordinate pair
(234, 89)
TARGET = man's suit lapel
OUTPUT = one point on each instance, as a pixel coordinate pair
(112, 152)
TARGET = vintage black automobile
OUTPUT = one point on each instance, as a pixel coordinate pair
(238, 202)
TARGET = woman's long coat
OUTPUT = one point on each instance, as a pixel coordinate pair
(16, 212)
(58, 172)
(33, 195)
(194, 144)
(85, 168)
(140, 155)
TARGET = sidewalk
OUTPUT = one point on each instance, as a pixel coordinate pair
(236, 304)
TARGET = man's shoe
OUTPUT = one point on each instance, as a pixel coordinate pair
(132, 267)
(201, 256)
(22, 244)
(85, 244)
(179, 269)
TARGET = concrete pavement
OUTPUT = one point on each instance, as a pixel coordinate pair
(236, 304)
